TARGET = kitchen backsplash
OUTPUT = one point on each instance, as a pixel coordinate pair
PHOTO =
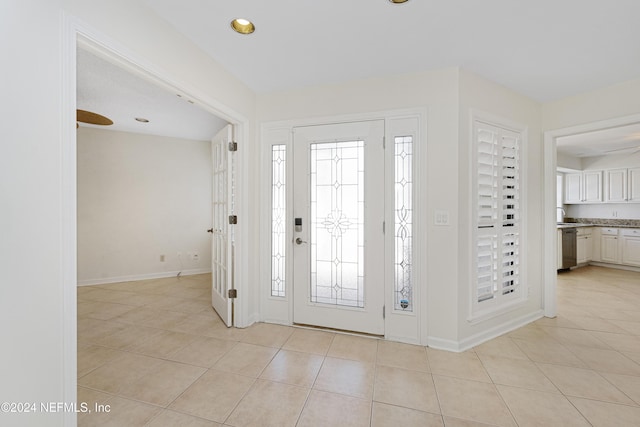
(606, 221)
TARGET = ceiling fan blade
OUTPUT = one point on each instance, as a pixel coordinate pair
(92, 118)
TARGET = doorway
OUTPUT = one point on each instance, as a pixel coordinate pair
(338, 255)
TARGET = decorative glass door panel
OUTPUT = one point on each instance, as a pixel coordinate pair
(337, 223)
(338, 237)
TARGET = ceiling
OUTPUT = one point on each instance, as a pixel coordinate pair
(109, 90)
(622, 140)
(545, 49)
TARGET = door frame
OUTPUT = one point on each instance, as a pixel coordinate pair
(401, 327)
(75, 33)
(550, 250)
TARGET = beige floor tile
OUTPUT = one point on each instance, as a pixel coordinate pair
(162, 385)
(344, 411)
(401, 355)
(92, 356)
(197, 324)
(294, 368)
(353, 348)
(384, 415)
(117, 374)
(602, 414)
(606, 360)
(409, 389)
(458, 422)
(94, 330)
(267, 335)
(472, 400)
(597, 324)
(575, 337)
(131, 336)
(535, 408)
(269, 404)
(163, 319)
(136, 316)
(213, 396)
(632, 327)
(169, 418)
(501, 346)
(350, 377)
(90, 400)
(628, 384)
(632, 356)
(557, 322)
(203, 351)
(554, 353)
(163, 344)
(122, 412)
(460, 365)
(517, 373)
(620, 342)
(309, 341)
(583, 383)
(532, 333)
(193, 306)
(246, 359)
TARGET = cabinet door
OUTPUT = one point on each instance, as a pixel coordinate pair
(588, 248)
(631, 247)
(573, 188)
(633, 191)
(592, 186)
(616, 185)
(581, 250)
(609, 249)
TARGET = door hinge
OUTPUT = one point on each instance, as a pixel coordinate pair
(384, 311)
(232, 293)
(233, 146)
(233, 219)
(384, 223)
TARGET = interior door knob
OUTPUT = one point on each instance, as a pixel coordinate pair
(299, 241)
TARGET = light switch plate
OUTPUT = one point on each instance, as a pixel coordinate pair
(441, 217)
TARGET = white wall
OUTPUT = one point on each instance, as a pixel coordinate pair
(140, 197)
(37, 361)
(479, 94)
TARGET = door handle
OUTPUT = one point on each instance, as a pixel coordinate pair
(210, 230)
(299, 241)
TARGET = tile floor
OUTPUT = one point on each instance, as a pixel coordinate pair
(156, 353)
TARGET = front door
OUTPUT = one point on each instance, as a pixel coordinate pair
(338, 231)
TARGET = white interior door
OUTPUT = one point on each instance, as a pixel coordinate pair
(222, 255)
(338, 255)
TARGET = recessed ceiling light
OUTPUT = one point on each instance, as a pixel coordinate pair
(398, 1)
(142, 120)
(243, 26)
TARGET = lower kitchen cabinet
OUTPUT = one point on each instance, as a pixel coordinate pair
(609, 245)
(584, 245)
(630, 246)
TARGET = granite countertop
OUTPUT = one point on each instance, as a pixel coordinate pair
(595, 222)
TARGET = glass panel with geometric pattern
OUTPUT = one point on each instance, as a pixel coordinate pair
(403, 210)
(278, 219)
(337, 223)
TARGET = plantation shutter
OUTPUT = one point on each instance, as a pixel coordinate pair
(497, 246)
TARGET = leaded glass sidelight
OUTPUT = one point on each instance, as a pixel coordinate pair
(403, 214)
(337, 223)
(278, 219)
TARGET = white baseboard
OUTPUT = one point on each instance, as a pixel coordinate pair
(133, 278)
(477, 339)
(616, 266)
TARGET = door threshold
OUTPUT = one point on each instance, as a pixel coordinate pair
(339, 331)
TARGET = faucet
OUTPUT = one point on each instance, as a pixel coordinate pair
(562, 209)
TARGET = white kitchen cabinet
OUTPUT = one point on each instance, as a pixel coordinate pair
(573, 188)
(609, 245)
(615, 185)
(584, 249)
(630, 246)
(583, 187)
(633, 188)
(622, 185)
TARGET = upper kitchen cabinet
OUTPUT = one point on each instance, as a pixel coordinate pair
(622, 185)
(583, 187)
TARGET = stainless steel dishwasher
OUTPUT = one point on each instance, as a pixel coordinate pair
(569, 248)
